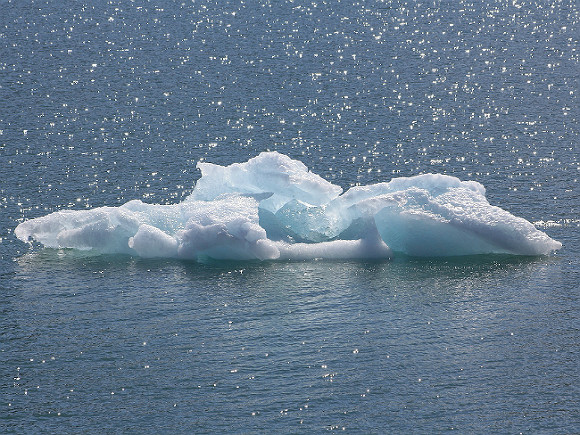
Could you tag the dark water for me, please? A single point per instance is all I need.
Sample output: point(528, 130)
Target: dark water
point(103, 102)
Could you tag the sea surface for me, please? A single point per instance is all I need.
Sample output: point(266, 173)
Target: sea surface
point(103, 102)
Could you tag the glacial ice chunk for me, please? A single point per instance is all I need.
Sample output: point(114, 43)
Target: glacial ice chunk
point(104, 229)
point(151, 242)
point(272, 173)
point(225, 229)
point(271, 207)
point(451, 222)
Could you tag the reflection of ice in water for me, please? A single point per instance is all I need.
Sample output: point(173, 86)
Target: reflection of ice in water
point(272, 207)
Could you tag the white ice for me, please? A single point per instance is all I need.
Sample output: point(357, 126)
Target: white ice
point(272, 207)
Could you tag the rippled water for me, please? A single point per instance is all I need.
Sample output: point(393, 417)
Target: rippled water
point(104, 102)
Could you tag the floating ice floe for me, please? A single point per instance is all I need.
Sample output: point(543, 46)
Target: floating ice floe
point(271, 207)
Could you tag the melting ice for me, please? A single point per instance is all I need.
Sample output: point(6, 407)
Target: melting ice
point(273, 207)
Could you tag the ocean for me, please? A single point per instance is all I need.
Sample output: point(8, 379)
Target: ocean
point(106, 102)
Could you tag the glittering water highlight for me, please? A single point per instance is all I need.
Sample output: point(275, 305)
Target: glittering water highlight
point(109, 105)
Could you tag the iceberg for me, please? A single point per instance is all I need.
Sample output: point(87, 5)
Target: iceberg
point(273, 208)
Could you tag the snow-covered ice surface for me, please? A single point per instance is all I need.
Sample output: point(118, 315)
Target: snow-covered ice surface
point(272, 207)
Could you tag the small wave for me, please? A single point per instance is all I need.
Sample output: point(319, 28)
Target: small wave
point(558, 223)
